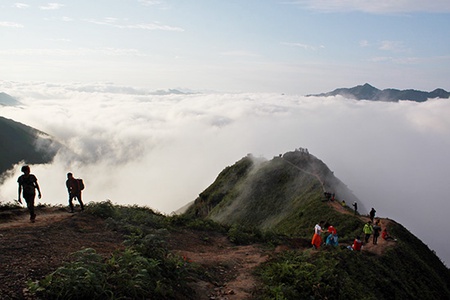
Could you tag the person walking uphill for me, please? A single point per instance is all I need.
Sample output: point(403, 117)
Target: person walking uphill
point(74, 189)
point(28, 186)
point(317, 239)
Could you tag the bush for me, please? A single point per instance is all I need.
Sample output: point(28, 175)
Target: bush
point(126, 275)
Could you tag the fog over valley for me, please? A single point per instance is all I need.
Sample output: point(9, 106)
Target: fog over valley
point(139, 146)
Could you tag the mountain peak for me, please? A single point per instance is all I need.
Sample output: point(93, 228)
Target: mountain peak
point(369, 92)
point(7, 100)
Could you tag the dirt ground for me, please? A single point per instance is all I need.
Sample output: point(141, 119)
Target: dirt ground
point(29, 251)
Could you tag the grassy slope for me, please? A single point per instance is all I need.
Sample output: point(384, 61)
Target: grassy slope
point(269, 195)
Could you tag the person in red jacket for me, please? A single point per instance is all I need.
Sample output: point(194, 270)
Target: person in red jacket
point(357, 244)
point(385, 236)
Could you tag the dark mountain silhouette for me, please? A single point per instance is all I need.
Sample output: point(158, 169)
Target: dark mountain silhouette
point(7, 100)
point(23, 143)
point(368, 92)
point(286, 195)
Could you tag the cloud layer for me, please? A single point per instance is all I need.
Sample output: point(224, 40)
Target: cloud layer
point(135, 146)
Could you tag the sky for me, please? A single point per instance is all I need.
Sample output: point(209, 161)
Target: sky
point(284, 46)
point(88, 73)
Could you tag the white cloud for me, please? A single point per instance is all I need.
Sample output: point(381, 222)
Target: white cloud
point(145, 26)
point(11, 25)
point(150, 2)
point(364, 43)
point(242, 53)
point(378, 7)
point(393, 46)
point(52, 6)
point(21, 5)
point(163, 150)
point(304, 46)
point(72, 52)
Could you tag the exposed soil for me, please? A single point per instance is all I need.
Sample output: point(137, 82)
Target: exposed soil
point(29, 251)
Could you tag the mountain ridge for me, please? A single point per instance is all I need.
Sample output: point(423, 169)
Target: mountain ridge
point(7, 100)
point(369, 92)
point(24, 143)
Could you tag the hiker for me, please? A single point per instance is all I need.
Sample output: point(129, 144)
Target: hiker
point(368, 230)
point(332, 238)
point(355, 205)
point(343, 203)
point(317, 239)
point(357, 244)
point(385, 236)
point(28, 184)
point(74, 189)
point(372, 214)
point(376, 232)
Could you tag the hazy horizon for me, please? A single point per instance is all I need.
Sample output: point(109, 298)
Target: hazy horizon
point(161, 151)
point(295, 46)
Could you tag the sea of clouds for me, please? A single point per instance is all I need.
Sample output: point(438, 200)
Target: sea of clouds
point(138, 146)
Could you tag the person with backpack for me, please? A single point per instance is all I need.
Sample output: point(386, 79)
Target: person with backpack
point(74, 187)
point(28, 186)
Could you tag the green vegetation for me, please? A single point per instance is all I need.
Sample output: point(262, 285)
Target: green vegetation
point(284, 197)
point(339, 273)
point(145, 269)
point(267, 202)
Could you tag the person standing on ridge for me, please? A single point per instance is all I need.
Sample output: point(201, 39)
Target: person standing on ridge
point(74, 189)
point(368, 230)
point(376, 232)
point(317, 239)
point(355, 205)
point(28, 185)
point(372, 214)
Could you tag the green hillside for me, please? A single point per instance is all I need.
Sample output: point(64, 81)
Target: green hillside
point(23, 143)
point(286, 196)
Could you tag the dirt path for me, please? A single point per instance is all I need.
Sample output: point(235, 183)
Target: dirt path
point(381, 245)
point(29, 251)
point(232, 265)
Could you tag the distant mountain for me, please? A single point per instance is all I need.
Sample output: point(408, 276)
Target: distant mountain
point(368, 92)
point(23, 143)
point(7, 100)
